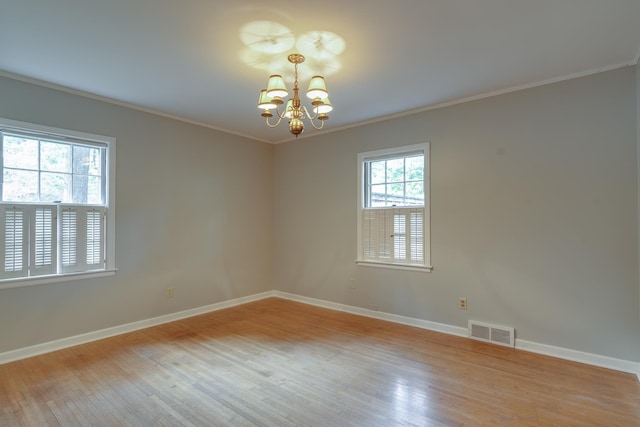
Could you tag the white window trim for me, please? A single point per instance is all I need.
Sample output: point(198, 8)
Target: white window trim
point(54, 278)
point(110, 235)
point(424, 147)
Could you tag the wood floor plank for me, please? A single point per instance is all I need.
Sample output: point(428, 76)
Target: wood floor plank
point(279, 363)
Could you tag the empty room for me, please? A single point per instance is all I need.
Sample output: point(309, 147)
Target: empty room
point(365, 213)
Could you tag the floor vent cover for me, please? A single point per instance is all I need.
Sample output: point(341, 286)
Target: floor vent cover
point(501, 335)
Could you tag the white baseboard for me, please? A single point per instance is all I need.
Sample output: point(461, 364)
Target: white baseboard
point(35, 350)
point(579, 356)
point(559, 352)
point(410, 321)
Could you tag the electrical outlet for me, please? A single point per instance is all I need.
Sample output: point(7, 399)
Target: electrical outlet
point(352, 283)
point(169, 292)
point(462, 304)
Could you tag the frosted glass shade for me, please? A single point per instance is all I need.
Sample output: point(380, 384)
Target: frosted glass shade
point(265, 102)
point(276, 86)
point(323, 108)
point(317, 88)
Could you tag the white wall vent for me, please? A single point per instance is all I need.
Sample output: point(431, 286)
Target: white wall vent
point(501, 335)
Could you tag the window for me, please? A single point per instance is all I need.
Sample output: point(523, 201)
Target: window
point(393, 208)
point(56, 202)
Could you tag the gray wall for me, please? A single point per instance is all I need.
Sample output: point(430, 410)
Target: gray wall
point(194, 212)
point(534, 215)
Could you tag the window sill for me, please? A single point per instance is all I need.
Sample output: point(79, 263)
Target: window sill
point(40, 280)
point(423, 269)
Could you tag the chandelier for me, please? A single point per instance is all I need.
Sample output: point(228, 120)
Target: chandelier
point(271, 98)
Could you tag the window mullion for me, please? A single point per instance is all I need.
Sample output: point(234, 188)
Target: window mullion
point(39, 168)
point(105, 176)
point(404, 180)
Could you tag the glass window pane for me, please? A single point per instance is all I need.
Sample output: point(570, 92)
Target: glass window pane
point(87, 189)
point(55, 187)
point(20, 186)
point(395, 194)
point(395, 170)
point(415, 168)
point(20, 153)
point(55, 157)
point(415, 193)
point(87, 160)
point(377, 196)
point(377, 172)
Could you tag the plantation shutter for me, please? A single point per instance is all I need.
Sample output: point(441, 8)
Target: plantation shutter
point(82, 239)
point(399, 236)
point(416, 244)
point(377, 229)
point(13, 241)
point(95, 239)
point(393, 235)
point(43, 247)
point(69, 240)
point(369, 234)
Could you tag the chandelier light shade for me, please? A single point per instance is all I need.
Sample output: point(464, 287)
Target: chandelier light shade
point(276, 87)
point(265, 101)
point(272, 97)
point(317, 88)
point(323, 108)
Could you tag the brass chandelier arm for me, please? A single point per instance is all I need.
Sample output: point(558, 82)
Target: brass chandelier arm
point(267, 114)
point(275, 124)
point(315, 117)
point(305, 114)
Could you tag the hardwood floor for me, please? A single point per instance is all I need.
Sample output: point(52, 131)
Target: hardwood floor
point(280, 363)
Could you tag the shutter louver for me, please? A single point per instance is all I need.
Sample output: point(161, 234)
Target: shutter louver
point(385, 235)
point(42, 238)
point(14, 243)
point(43, 241)
point(399, 237)
point(95, 238)
point(416, 225)
point(369, 229)
point(14, 238)
point(69, 239)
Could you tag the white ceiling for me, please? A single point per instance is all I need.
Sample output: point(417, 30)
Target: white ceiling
point(186, 59)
